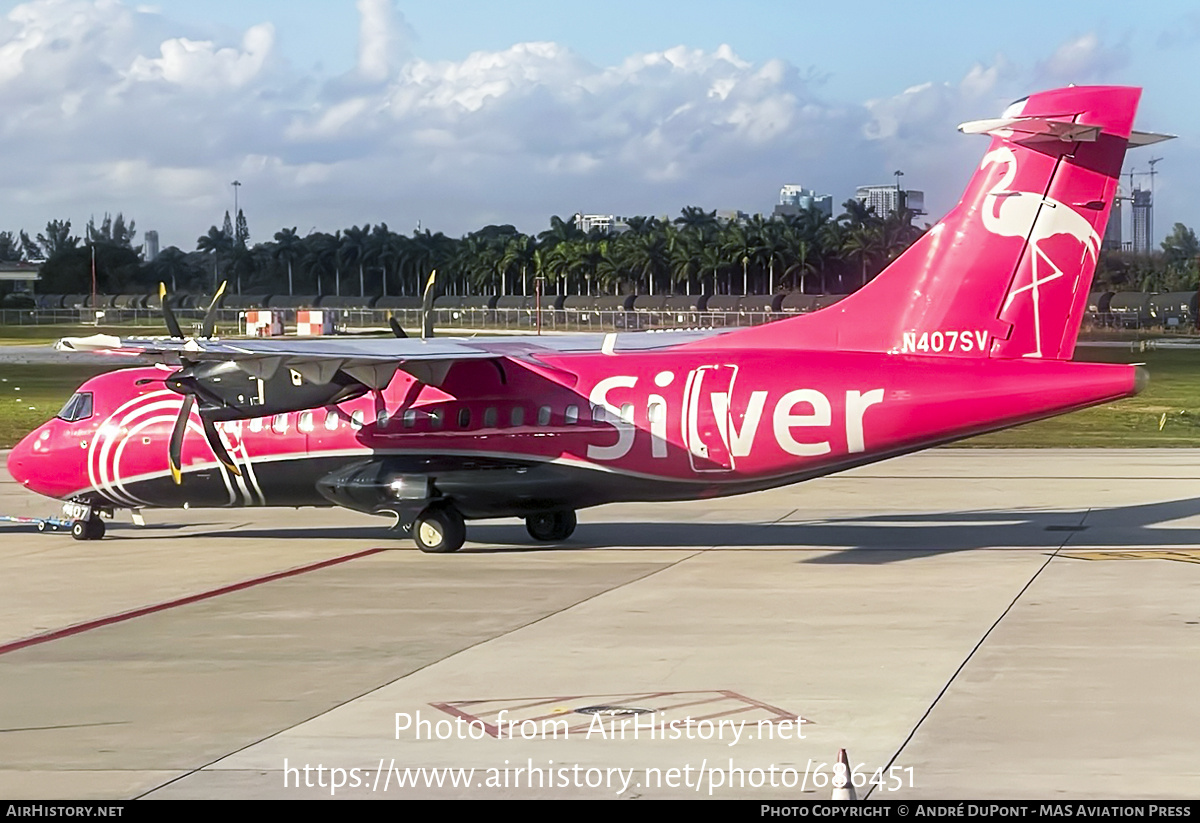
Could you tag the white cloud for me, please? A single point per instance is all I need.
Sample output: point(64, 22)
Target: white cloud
point(200, 64)
point(105, 109)
point(382, 40)
point(1082, 60)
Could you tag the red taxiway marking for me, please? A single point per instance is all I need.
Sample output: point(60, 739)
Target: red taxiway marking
point(79, 628)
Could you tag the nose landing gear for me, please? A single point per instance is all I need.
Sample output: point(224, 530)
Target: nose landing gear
point(90, 529)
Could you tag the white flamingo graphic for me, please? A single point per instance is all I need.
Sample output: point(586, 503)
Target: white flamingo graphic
point(1028, 214)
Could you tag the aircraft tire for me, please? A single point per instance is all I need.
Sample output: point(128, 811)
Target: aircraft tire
point(550, 527)
point(439, 530)
point(42, 525)
point(92, 529)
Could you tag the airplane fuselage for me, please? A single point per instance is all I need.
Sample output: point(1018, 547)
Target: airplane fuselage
point(502, 437)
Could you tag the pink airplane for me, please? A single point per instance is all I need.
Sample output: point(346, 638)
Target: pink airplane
point(970, 330)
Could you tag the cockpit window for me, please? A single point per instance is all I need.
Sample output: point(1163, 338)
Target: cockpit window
point(79, 407)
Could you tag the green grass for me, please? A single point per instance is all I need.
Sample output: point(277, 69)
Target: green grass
point(31, 394)
point(1174, 390)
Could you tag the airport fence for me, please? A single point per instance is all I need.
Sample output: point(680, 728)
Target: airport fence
point(460, 319)
point(229, 321)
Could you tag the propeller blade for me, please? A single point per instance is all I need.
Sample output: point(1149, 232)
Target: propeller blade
point(427, 306)
point(175, 450)
point(210, 317)
point(168, 315)
point(218, 445)
point(396, 330)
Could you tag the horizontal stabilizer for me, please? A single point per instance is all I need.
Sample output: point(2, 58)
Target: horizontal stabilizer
point(1062, 128)
point(1147, 138)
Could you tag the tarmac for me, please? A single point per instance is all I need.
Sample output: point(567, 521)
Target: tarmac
point(967, 624)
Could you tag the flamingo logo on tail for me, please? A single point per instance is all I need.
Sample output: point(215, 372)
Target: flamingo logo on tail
point(1031, 215)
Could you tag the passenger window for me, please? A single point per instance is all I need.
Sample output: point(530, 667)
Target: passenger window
point(518, 416)
point(489, 417)
point(306, 422)
point(464, 417)
point(599, 414)
point(656, 412)
point(279, 424)
point(436, 417)
point(331, 420)
point(627, 413)
point(256, 424)
point(571, 415)
point(543, 418)
point(410, 418)
point(357, 419)
point(381, 419)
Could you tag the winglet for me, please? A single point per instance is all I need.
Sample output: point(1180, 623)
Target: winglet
point(95, 342)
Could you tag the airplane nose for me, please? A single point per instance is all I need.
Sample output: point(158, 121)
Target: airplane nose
point(20, 459)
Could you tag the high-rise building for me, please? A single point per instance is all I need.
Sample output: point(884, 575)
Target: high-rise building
point(1142, 222)
point(794, 199)
point(886, 200)
point(151, 251)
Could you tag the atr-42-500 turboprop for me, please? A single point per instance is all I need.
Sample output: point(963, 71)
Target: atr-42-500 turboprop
point(972, 329)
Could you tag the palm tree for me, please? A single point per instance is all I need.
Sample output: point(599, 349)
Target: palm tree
point(219, 245)
point(320, 256)
point(288, 248)
point(172, 266)
point(352, 251)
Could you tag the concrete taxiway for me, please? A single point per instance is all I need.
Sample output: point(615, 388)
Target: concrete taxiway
point(975, 624)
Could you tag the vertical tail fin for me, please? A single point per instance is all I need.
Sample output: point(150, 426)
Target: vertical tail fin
point(1006, 273)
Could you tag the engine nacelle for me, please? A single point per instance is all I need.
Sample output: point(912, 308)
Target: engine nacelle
point(377, 487)
point(227, 392)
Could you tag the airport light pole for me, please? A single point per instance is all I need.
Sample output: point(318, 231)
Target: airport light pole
point(237, 184)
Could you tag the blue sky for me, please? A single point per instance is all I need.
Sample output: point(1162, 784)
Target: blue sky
point(457, 114)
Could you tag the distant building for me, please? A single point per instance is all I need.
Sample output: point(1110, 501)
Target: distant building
point(727, 216)
point(1142, 222)
point(886, 200)
point(22, 276)
point(607, 223)
point(794, 199)
point(151, 246)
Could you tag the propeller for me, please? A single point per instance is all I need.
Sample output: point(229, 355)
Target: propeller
point(396, 330)
point(427, 306)
point(184, 382)
point(168, 315)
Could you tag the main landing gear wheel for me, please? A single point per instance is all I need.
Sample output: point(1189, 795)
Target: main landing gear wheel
point(439, 529)
point(551, 526)
point(90, 529)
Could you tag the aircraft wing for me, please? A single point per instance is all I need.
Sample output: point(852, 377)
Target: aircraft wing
point(373, 361)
